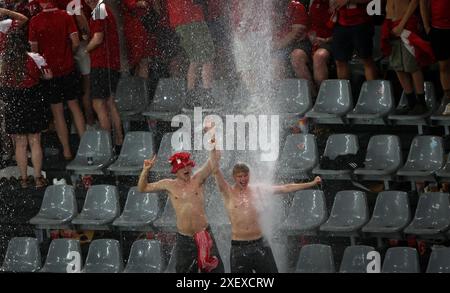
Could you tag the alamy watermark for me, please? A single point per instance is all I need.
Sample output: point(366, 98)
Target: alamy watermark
point(263, 133)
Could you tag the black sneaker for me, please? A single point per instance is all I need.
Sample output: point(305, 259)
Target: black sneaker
point(402, 110)
point(419, 109)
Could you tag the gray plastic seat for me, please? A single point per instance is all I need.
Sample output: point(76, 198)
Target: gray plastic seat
point(316, 258)
point(141, 209)
point(439, 261)
point(167, 222)
point(348, 215)
point(438, 117)
point(383, 158)
point(432, 216)
point(58, 208)
point(333, 102)
point(22, 255)
point(145, 257)
point(401, 260)
point(131, 95)
point(59, 257)
point(137, 147)
point(444, 172)
point(375, 103)
point(426, 156)
point(355, 259)
point(298, 157)
point(100, 208)
point(307, 213)
point(338, 145)
point(390, 215)
point(430, 99)
point(96, 145)
point(168, 100)
point(104, 256)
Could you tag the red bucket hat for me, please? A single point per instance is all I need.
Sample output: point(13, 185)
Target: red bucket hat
point(180, 160)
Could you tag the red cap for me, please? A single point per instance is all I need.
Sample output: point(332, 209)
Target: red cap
point(180, 161)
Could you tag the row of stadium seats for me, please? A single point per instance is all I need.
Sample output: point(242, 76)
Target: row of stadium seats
point(307, 215)
point(105, 256)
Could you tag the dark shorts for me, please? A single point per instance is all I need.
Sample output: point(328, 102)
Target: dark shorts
point(440, 42)
point(285, 53)
point(197, 42)
point(252, 256)
point(352, 39)
point(103, 82)
point(62, 88)
point(186, 254)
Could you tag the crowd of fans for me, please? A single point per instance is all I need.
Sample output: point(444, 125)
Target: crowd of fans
point(55, 53)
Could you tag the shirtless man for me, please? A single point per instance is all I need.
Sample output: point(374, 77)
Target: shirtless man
point(250, 252)
point(194, 239)
point(400, 14)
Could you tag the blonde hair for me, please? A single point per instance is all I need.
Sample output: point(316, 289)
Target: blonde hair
point(240, 168)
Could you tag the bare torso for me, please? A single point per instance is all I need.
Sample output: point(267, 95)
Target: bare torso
point(188, 202)
point(244, 217)
point(395, 9)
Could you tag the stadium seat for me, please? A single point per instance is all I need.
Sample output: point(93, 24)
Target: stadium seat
point(169, 98)
point(131, 95)
point(137, 147)
point(307, 212)
point(426, 156)
point(432, 217)
point(95, 145)
point(141, 209)
point(355, 259)
point(59, 256)
point(401, 260)
point(58, 208)
point(333, 102)
point(23, 255)
point(375, 103)
point(439, 261)
point(338, 145)
point(298, 157)
point(145, 257)
point(167, 222)
point(383, 159)
point(104, 256)
point(100, 208)
point(316, 258)
point(390, 215)
point(348, 215)
point(444, 172)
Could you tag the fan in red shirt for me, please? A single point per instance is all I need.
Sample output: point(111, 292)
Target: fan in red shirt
point(140, 45)
point(25, 107)
point(353, 32)
point(54, 35)
point(105, 67)
point(188, 20)
point(436, 20)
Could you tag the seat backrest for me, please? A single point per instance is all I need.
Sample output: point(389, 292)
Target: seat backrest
point(335, 96)
point(95, 143)
point(308, 207)
point(384, 152)
point(439, 261)
point(60, 255)
point(169, 95)
point(23, 255)
point(300, 151)
point(104, 256)
point(292, 96)
point(426, 153)
point(350, 208)
point(59, 202)
point(143, 204)
point(355, 259)
point(145, 257)
point(316, 258)
point(392, 209)
point(168, 217)
point(376, 96)
point(401, 260)
point(137, 147)
point(341, 144)
point(102, 202)
point(433, 209)
point(167, 148)
point(131, 93)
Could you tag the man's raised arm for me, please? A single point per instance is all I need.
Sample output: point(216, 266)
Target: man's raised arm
point(143, 184)
point(218, 175)
point(288, 188)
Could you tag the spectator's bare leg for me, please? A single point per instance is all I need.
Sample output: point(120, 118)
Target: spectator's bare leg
point(102, 114)
point(419, 81)
point(405, 81)
point(61, 128)
point(116, 121)
point(142, 68)
point(370, 70)
point(192, 75)
point(78, 117)
point(279, 69)
point(343, 70)
point(36, 153)
point(299, 61)
point(21, 154)
point(320, 61)
point(87, 103)
point(207, 75)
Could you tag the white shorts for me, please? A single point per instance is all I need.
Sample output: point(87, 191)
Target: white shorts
point(82, 59)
